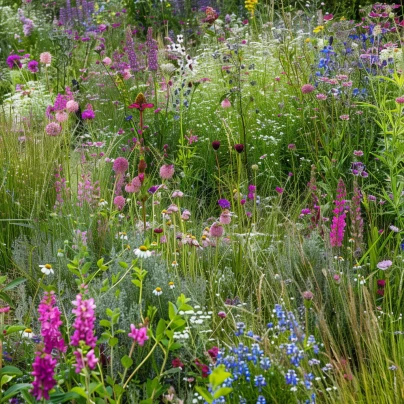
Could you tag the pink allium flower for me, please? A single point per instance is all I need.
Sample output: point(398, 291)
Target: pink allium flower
point(216, 230)
point(43, 372)
point(72, 106)
point(344, 117)
point(307, 88)
point(279, 190)
point(308, 295)
point(84, 323)
point(383, 265)
point(222, 314)
point(49, 317)
point(119, 202)
point(107, 61)
point(167, 171)
point(53, 129)
point(226, 103)
point(138, 335)
point(400, 100)
point(225, 217)
point(321, 97)
point(120, 165)
point(61, 116)
point(45, 58)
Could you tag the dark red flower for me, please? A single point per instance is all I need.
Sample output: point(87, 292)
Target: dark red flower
point(140, 103)
point(380, 292)
point(176, 363)
point(381, 283)
point(239, 147)
point(213, 352)
point(216, 144)
point(204, 368)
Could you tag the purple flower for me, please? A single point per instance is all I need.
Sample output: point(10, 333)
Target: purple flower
point(338, 223)
point(153, 189)
point(152, 50)
point(224, 203)
point(49, 317)
point(88, 114)
point(43, 372)
point(33, 66)
point(383, 265)
point(14, 61)
point(84, 322)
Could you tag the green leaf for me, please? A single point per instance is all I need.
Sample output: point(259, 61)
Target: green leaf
point(175, 346)
point(222, 392)
point(10, 370)
point(161, 326)
point(13, 390)
point(204, 393)
point(85, 268)
point(80, 391)
point(3, 279)
point(13, 284)
point(172, 311)
point(6, 298)
point(105, 323)
point(123, 264)
point(118, 390)
point(5, 379)
point(100, 262)
point(137, 283)
point(112, 342)
point(218, 376)
point(57, 398)
point(126, 362)
point(15, 328)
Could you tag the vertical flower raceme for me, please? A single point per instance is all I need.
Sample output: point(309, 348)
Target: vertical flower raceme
point(152, 49)
point(338, 223)
point(130, 50)
point(43, 372)
point(315, 203)
point(49, 317)
point(83, 335)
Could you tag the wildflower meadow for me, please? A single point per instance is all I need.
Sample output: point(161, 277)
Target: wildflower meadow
point(201, 202)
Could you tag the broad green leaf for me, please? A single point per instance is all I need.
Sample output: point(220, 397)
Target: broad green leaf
point(57, 398)
point(218, 376)
point(126, 362)
point(204, 393)
point(10, 370)
point(172, 310)
point(15, 389)
point(13, 284)
point(105, 323)
point(222, 392)
point(112, 342)
point(80, 391)
point(15, 328)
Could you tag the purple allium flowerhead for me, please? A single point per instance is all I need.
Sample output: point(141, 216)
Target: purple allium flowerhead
point(88, 113)
point(307, 88)
point(216, 144)
point(53, 129)
point(400, 100)
point(119, 202)
point(120, 165)
point(224, 203)
point(84, 322)
point(308, 295)
point(13, 61)
point(43, 372)
point(167, 171)
point(33, 66)
point(216, 230)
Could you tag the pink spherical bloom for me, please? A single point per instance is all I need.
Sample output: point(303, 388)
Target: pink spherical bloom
point(308, 295)
point(226, 103)
point(107, 61)
point(53, 129)
point(167, 171)
point(186, 214)
point(225, 217)
point(279, 190)
point(126, 74)
point(72, 106)
point(307, 88)
point(138, 335)
point(337, 279)
point(61, 116)
point(119, 202)
point(120, 165)
point(344, 117)
point(216, 230)
point(321, 97)
point(222, 314)
point(45, 58)
point(400, 100)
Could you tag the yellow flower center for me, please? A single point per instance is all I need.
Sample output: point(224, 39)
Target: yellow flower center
point(143, 248)
point(48, 266)
point(158, 289)
point(170, 283)
point(28, 330)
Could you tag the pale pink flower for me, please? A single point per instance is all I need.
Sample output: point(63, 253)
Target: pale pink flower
point(307, 88)
point(216, 230)
point(53, 129)
point(167, 171)
point(107, 61)
point(61, 116)
point(119, 202)
point(72, 106)
point(45, 58)
point(226, 103)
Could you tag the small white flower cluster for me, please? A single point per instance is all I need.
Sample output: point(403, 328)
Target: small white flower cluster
point(186, 60)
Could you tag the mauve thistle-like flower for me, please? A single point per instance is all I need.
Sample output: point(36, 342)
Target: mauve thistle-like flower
point(32, 66)
point(43, 371)
point(120, 165)
point(14, 61)
point(216, 144)
point(216, 230)
point(53, 129)
point(167, 171)
point(225, 217)
point(49, 317)
point(239, 147)
point(224, 203)
point(338, 223)
point(119, 202)
point(88, 113)
point(84, 323)
point(307, 88)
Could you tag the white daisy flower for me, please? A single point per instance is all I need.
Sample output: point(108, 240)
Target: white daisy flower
point(142, 252)
point(171, 285)
point(27, 333)
point(46, 269)
point(157, 291)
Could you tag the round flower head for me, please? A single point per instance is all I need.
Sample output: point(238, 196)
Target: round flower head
point(45, 58)
point(167, 171)
point(226, 103)
point(307, 88)
point(216, 230)
point(46, 269)
point(224, 203)
point(53, 129)
point(225, 217)
point(120, 165)
point(61, 116)
point(157, 291)
point(308, 295)
point(72, 106)
point(216, 144)
point(383, 265)
point(14, 61)
point(33, 66)
point(239, 148)
point(107, 61)
point(119, 202)
point(400, 100)
point(142, 252)
point(88, 114)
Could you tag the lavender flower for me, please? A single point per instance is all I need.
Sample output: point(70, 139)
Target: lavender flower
point(224, 203)
point(152, 48)
point(338, 222)
point(130, 50)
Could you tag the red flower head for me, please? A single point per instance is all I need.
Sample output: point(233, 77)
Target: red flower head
point(140, 103)
point(211, 15)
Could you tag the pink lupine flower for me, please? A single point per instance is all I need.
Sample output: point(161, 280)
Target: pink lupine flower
point(84, 323)
point(43, 372)
point(338, 223)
